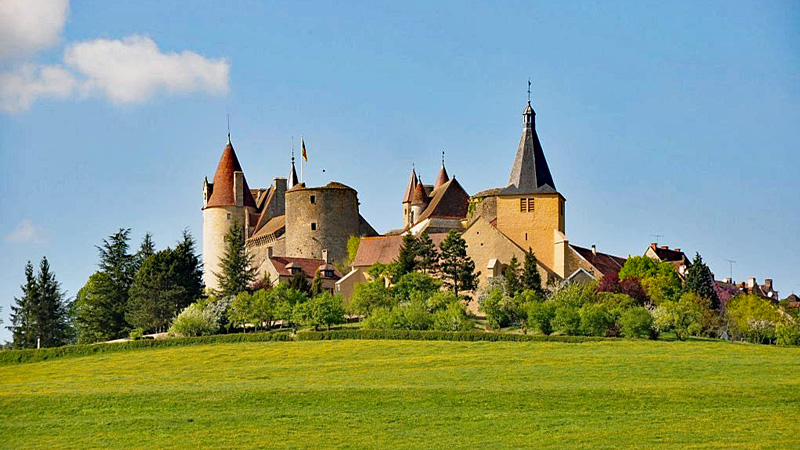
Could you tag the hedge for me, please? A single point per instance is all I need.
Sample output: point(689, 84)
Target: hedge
point(34, 355)
point(416, 335)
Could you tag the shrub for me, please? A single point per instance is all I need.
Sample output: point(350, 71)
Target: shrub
point(541, 315)
point(567, 320)
point(596, 319)
point(574, 295)
point(415, 281)
point(637, 323)
point(753, 318)
point(195, 320)
point(787, 333)
point(369, 296)
point(136, 333)
point(683, 317)
point(452, 318)
point(493, 305)
point(385, 318)
point(417, 315)
point(440, 300)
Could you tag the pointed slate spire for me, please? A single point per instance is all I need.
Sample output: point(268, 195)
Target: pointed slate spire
point(412, 184)
point(530, 173)
point(292, 181)
point(443, 177)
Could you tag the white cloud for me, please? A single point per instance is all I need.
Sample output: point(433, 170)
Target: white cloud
point(27, 26)
point(28, 233)
point(20, 87)
point(133, 70)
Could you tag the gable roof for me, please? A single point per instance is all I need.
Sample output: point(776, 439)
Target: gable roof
point(308, 266)
point(270, 227)
point(384, 249)
point(667, 254)
point(222, 188)
point(450, 200)
point(530, 173)
point(604, 263)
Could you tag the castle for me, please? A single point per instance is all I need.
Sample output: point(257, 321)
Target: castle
point(292, 228)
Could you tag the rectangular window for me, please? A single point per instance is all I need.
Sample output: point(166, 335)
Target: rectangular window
point(313, 226)
point(523, 205)
point(530, 205)
point(313, 199)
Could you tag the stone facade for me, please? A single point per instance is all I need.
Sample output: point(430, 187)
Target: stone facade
point(217, 220)
point(532, 225)
point(321, 218)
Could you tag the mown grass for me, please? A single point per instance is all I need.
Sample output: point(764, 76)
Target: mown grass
point(408, 394)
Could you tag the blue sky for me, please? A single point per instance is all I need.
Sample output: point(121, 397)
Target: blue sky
point(676, 118)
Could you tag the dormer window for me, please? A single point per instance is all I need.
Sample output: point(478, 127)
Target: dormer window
point(295, 270)
point(327, 273)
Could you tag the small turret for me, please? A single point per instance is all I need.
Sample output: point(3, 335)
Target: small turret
point(443, 177)
point(409, 196)
point(419, 202)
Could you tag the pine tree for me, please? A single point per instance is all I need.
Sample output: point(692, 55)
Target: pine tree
point(147, 248)
point(316, 285)
point(189, 271)
point(511, 274)
point(22, 312)
point(299, 283)
point(51, 311)
point(155, 296)
point(700, 281)
point(235, 268)
point(531, 280)
point(407, 258)
point(458, 269)
point(427, 253)
point(120, 268)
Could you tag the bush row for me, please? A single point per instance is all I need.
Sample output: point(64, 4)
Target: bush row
point(34, 355)
point(430, 335)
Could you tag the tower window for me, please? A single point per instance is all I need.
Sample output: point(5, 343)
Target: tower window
point(526, 205)
point(530, 205)
point(229, 216)
point(313, 226)
point(313, 199)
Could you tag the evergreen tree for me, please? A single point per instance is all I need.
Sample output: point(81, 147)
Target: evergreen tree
point(189, 270)
point(155, 296)
point(407, 259)
point(458, 269)
point(316, 285)
point(148, 248)
point(427, 253)
point(235, 268)
point(511, 274)
point(531, 280)
point(51, 313)
point(22, 312)
point(300, 284)
point(93, 312)
point(700, 281)
point(120, 266)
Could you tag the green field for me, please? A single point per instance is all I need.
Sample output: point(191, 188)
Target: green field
point(408, 394)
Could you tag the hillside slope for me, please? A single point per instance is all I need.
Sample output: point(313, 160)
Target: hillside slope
point(408, 394)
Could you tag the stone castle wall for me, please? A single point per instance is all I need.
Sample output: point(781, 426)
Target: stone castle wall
point(217, 220)
point(532, 229)
point(322, 224)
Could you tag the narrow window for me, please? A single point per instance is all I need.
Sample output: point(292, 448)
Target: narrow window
point(229, 216)
point(526, 236)
point(530, 205)
point(523, 205)
point(313, 226)
point(313, 199)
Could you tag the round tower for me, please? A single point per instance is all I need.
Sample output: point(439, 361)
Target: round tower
point(321, 218)
point(226, 202)
point(418, 203)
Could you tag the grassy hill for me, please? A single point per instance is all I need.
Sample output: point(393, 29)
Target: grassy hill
point(408, 394)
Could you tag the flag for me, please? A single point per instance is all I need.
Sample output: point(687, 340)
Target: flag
point(303, 146)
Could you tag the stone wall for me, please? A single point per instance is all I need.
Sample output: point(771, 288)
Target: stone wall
point(217, 220)
point(532, 229)
point(325, 223)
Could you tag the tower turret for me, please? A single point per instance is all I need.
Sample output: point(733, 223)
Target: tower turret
point(419, 202)
point(442, 178)
point(408, 197)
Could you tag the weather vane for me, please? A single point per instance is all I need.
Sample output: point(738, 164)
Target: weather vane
point(529, 90)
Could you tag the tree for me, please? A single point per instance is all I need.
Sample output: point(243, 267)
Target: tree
point(511, 274)
point(325, 309)
point(415, 282)
point(637, 322)
point(156, 295)
point(531, 280)
point(700, 281)
point(353, 243)
point(235, 268)
point(23, 318)
point(458, 269)
point(407, 258)
point(683, 317)
point(195, 320)
point(428, 256)
point(316, 285)
point(541, 315)
point(147, 248)
point(94, 312)
point(659, 279)
point(51, 311)
point(188, 269)
point(120, 268)
point(264, 283)
point(369, 296)
point(299, 283)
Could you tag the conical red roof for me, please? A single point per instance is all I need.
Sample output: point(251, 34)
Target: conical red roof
point(412, 184)
point(442, 178)
point(222, 191)
point(420, 196)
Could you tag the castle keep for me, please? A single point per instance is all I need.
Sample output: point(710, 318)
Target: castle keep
point(292, 228)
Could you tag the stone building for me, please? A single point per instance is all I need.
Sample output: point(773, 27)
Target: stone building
point(497, 224)
point(284, 223)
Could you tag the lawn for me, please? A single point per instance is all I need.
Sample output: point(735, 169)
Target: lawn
point(408, 394)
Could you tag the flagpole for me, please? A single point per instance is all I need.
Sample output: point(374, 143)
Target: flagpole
point(302, 178)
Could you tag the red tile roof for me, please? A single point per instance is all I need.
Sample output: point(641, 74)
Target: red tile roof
point(448, 201)
point(603, 262)
point(308, 266)
point(412, 184)
point(442, 178)
point(384, 249)
point(667, 254)
point(420, 197)
point(222, 190)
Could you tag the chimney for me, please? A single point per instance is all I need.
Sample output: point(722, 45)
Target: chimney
point(768, 283)
point(677, 249)
point(325, 255)
point(728, 280)
point(594, 249)
point(206, 191)
point(238, 188)
point(751, 282)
